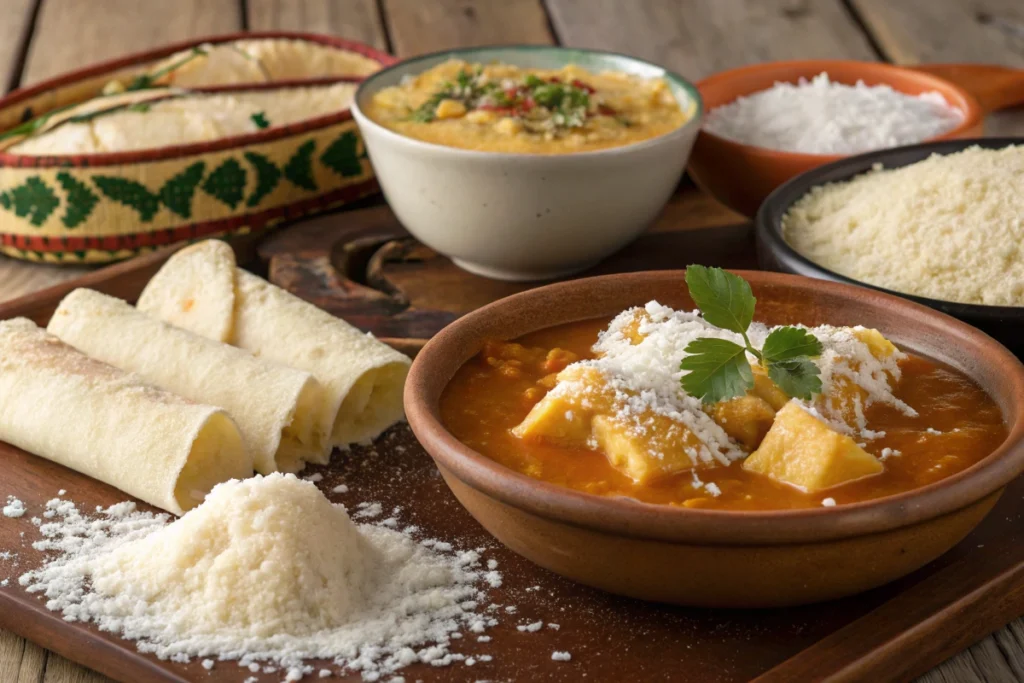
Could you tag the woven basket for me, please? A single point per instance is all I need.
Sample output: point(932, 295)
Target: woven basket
point(104, 207)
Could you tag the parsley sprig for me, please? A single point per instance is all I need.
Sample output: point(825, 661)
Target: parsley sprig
point(718, 369)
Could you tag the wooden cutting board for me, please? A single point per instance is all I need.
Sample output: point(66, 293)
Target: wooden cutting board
point(363, 266)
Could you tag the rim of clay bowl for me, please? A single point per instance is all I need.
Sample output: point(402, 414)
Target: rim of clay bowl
point(768, 221)
point(458, 342)
point(969, 104)
point(696, 115)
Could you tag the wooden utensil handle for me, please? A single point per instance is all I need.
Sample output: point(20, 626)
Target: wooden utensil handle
point(995, 87)
point(922, 626)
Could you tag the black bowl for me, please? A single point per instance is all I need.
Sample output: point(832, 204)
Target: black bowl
point(1005, 323)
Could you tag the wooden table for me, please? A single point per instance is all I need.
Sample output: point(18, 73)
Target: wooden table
point(41, 38)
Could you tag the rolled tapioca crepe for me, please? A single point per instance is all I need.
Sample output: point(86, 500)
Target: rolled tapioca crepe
point(362, 377)
point(277, 408)
point(59, 404)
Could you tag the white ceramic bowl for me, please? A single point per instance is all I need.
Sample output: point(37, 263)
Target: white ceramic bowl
point(527, 216)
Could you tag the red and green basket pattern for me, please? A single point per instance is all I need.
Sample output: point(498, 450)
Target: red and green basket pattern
point(104, 207)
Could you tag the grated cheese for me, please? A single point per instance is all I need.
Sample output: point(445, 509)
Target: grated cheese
point(821, 116)
point(889, 453)
point(948, 227)
point(845, 357)
point(645, 376)
point(266, 571)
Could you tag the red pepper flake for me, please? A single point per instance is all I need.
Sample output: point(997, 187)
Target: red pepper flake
point(605, 110)
point(577, 83)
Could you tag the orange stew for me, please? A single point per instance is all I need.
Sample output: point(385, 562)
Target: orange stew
point(957, 425)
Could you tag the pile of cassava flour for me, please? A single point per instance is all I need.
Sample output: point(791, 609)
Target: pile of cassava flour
point(823, 117)
point(266, 572)
point(948, 227)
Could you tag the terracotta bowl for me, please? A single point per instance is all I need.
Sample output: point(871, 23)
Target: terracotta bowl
point(741, 176)
point(717, 558)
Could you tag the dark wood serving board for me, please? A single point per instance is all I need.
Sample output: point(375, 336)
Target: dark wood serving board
point(362, 265)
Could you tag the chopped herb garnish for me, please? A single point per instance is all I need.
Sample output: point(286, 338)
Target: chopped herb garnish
point(544, 106)
point(141, 107)
point(260, 119)
point(718, 369)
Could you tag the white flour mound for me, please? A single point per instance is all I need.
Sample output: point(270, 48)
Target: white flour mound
point(822, 116)
point(266, 570)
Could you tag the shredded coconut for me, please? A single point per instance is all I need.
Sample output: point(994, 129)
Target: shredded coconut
point(14, 508)
point(821, 116)
point(340, 488)
point(266, 571)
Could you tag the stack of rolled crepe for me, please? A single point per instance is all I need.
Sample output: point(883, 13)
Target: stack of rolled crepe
point(277, 409)
point(200, 289)
point(216, 373)
point(155, 445)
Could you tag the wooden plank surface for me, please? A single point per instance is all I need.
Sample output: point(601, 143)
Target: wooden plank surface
point(417, 27)
point(354, 19)
point(73, 33)
point(720, 35)
point(15, 32)
point(723, 34)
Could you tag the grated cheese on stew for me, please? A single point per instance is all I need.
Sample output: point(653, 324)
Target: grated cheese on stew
point(645, 378)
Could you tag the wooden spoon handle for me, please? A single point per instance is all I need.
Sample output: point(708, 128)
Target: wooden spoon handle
point(995, 87)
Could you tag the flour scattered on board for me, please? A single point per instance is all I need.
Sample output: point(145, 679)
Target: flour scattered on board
point(267, 572)
point(14, 508)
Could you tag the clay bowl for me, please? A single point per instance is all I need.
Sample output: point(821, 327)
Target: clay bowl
point(741, 176)
point(773, 253)
point(717, 558)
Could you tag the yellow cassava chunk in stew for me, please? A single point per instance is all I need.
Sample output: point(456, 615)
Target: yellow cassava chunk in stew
point(516, 403)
